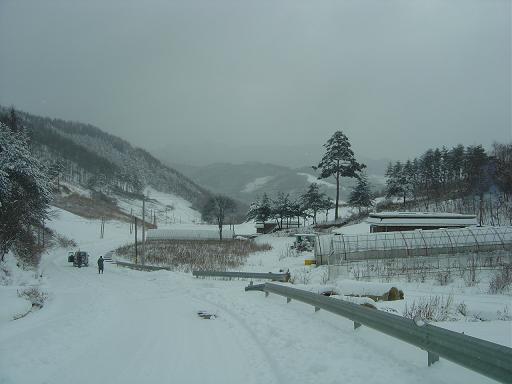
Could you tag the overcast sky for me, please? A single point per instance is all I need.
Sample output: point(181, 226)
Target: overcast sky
point(245, 80)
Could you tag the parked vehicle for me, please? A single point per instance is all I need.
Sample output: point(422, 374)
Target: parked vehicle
point(80, 258)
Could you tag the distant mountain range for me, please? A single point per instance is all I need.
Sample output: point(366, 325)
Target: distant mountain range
point(86, 155)
point(249, 180)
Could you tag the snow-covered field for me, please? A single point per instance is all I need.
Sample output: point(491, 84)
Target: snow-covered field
point(142, 327)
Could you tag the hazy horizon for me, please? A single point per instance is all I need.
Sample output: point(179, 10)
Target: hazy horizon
point(199, 82)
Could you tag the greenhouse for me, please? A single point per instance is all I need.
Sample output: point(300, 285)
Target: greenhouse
point(339, 249)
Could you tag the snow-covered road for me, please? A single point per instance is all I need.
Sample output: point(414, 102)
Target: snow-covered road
point(127, 327)
point(137, 327)
point(142, 327)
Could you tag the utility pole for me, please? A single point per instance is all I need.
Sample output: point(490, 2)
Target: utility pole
point(102, 231)
point(142, 256)
point(131, 223)
point(136, 255)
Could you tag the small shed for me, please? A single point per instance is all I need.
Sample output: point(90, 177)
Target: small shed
point(409, 221)
point(272, 226)
point(266, 227)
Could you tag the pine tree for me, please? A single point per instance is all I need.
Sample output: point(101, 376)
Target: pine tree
point(338, 161)
point(411, 178)
point(260, 210)
point(282, 208)
point(361, 196)
point(503, 157)
point(314, 200)
point(297, 209)
point(396, 183)
point(25, 192)
point(327, 205)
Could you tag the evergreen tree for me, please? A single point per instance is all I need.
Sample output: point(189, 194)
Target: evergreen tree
point(477, 174)
point(338, 161)
point(361, 196)
point(502, 154)
point(24, 191)
point(314, 200)
point(414, 179)
point(298, 209)
point(396, 181)
point(409, 177)
point(260, 210)
point(474, 169)
point(427, 175)
point(282, 208)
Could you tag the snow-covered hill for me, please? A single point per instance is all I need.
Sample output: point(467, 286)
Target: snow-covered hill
point(82, 154)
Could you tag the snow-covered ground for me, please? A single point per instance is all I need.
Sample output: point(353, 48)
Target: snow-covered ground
point(256, 184)
point(168, 208)
point(313, 179)
point(142, 327)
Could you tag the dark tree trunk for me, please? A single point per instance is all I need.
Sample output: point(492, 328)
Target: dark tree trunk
point(337, 195)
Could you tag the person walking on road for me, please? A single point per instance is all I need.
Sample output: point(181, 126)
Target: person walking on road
point(100, 264)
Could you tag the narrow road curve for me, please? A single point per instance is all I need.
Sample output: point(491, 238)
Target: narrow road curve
point(126, 327)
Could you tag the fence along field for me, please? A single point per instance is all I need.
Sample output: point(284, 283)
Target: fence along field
point(188, 255)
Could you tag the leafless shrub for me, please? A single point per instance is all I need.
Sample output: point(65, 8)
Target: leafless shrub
point(301, 276)
point(187, 255)
point(64, 242)
point(462, 308)
point(501, 281)
point(470, 275)
point(287, 252)
point(357, 274)
point(324, 277)
point(34, 295)
point(504, 315)
point(443, 277)
point(434, 308)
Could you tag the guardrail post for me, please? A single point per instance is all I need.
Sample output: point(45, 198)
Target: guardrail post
point(288, 300)
point(487, 358)
point(432, 358)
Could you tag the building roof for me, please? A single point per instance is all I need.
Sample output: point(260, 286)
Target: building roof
point(187, 234)
point(420, 219)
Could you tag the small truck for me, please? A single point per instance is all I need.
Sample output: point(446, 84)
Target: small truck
point(79, 259)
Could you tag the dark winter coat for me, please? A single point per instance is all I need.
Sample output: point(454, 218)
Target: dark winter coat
point(100, 262)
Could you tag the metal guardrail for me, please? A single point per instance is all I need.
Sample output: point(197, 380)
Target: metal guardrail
point(141, 267)
point(255, 287)
point(489, 359)
point(244, 275)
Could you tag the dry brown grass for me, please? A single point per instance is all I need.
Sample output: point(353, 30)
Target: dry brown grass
point(187, 255)
point(93, 208)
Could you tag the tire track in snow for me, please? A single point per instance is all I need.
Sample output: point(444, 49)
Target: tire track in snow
point(239, 321)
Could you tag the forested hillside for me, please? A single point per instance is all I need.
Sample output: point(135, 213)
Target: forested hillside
point(84, 154)
point(461, 179)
